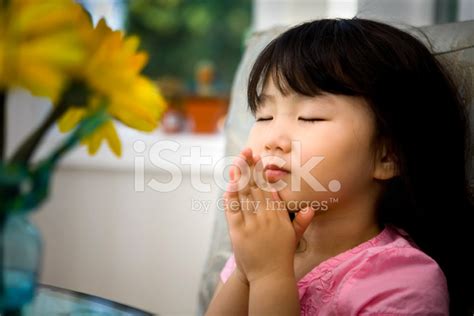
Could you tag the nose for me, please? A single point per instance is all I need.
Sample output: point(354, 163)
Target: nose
point(277, 140)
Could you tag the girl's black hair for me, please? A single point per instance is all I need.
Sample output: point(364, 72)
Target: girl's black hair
point(419, 114)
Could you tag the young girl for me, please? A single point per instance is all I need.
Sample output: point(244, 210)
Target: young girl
point(361, 132)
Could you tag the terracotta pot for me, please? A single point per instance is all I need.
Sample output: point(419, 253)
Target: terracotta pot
point(205, 112)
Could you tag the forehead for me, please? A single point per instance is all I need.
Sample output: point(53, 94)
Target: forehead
point(274, 94)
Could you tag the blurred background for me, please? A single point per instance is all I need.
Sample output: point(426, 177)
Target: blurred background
point(107, 230)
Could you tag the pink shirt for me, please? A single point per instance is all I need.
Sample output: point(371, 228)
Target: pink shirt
point(386, 275)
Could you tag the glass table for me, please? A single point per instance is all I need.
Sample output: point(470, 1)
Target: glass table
point(52, 301)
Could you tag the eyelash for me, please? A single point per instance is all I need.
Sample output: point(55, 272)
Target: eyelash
point(312, 120)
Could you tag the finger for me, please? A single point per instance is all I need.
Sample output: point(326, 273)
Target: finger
point(232, 206)
point(278, 205)
point(240, 171)
point(248, 211)
point(242, 174)
point(247, 153)
point(249, 159)
point(243, 169)
point(258, 176)
point(258, 197)
point(270, 203)
point(246, 203)
point(232, 173)
point(301, 222)
point(235, 171)
point(253, 161)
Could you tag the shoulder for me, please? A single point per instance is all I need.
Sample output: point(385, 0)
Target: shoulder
point(400, 279)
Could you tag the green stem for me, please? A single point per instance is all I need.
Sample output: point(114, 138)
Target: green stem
point(26, 150)
point(3, 123)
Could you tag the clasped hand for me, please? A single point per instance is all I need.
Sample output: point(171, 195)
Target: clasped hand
point(264, 239)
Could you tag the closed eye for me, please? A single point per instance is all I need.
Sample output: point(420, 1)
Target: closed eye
point(261, 119)
point(311, 120)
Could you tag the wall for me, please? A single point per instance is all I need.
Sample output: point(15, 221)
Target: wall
point(413, 12)
point(145, 249)
point(269, 13)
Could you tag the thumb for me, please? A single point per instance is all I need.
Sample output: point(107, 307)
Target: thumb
point(301, 222)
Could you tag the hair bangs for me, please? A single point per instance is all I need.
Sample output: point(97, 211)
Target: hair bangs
point(310, 62)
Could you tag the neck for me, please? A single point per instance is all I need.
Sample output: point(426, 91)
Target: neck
point(339, 229)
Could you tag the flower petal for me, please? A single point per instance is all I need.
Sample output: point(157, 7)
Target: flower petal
point(112, 138)
point(71, 118)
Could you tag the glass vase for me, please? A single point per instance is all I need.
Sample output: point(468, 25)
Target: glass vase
point(20, 257)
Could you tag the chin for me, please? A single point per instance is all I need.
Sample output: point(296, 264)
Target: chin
point(296, 201)
point(293, 202)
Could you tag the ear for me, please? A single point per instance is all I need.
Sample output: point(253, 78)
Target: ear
point(385, 163)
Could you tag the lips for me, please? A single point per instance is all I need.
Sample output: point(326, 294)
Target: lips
point(275, 173)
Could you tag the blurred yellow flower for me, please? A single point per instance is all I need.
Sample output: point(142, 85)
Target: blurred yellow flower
point(106, 132)
point(51, 48)
point(40, 42)
point(112, 71)
point(92, 75)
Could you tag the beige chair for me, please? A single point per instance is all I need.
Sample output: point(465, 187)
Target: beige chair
point(453, 43)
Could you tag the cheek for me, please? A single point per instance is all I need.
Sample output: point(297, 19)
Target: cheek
point(344, 159)
point(254, 139)
point(311, 181)
point(345, 170)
